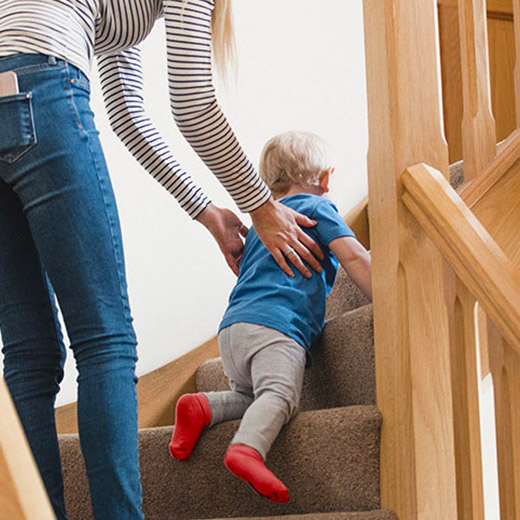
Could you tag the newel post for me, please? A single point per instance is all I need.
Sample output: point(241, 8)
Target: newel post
point(412, 336)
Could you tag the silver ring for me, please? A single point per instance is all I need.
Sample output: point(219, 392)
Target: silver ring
point(289, 251)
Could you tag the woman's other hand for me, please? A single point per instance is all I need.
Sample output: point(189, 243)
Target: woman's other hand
point(279, 230)
point(227, 229)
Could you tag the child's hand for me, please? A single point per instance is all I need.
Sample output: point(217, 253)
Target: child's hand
point(278, 227)
point(227, 229)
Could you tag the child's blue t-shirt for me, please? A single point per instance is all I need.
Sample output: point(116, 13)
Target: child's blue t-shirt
point(265, 295)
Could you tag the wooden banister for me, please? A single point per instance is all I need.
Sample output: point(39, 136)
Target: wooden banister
point(357, 220)
point(488, 276)
point(516, 19)
point(483, 194)
point(414, 387)
point(478, 124)
point(22, 495)
point(502, 7)
point(461, 305)
point(466, 420)
point(505, 367)
point(427, 310)
point(508, 155)
point(467, 246)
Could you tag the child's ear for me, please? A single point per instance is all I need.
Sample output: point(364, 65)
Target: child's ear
point(324, 181)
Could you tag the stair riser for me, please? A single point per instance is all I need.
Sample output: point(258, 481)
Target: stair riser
point(344, 297)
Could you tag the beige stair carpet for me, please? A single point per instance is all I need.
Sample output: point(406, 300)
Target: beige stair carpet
point(329, 460)
point(369, 515)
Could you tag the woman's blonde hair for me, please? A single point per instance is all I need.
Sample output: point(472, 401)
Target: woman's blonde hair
point(294, 158)
point(222, 36)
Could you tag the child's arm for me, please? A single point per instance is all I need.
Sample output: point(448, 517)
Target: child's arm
point(355, 259)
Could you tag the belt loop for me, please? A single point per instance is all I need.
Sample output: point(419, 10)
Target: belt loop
point(52, 60)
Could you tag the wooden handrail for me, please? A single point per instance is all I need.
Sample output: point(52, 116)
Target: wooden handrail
point(508, 153)
point(502, 7)
point(516, 21)
point(468, 247)
point(357, 220)
point(22, 495)
point(482, 193)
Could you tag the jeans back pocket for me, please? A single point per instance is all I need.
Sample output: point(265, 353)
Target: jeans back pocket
point(17, 133)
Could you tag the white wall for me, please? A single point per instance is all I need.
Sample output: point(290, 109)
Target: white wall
point(299, 68)
point(489, 449)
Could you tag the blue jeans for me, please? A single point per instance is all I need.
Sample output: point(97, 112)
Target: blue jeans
point(60, 235)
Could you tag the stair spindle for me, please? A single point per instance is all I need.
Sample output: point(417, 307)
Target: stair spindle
point(466, 419)
point(478, 123)
point(505, 368)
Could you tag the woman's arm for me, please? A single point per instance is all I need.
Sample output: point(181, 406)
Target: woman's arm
point(195, 107)
point(122, 86)
point(201, 121)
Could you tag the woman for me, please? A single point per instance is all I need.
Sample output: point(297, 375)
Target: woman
point(59, 229)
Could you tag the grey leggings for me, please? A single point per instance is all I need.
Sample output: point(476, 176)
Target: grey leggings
point(265, 370)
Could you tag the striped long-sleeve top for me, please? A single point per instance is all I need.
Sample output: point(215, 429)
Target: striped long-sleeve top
point(78, 30)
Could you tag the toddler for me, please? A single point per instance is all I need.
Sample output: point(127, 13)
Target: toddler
point(273, 319)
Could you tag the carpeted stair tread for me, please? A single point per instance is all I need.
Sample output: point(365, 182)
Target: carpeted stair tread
point(342, 373)
point(329, 460)
point(456, 174)
point(367, 515)
point(343, 370)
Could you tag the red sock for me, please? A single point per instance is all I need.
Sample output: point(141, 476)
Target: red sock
point(246, 463)
point(192, 415)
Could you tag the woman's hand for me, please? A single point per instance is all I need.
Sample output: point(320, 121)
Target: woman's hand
point(279, 229)
point(228, 230)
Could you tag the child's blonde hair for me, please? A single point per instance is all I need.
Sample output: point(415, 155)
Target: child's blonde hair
point(294, 158)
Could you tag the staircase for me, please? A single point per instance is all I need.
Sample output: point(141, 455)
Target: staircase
point(440, 261)
point(328, 456)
